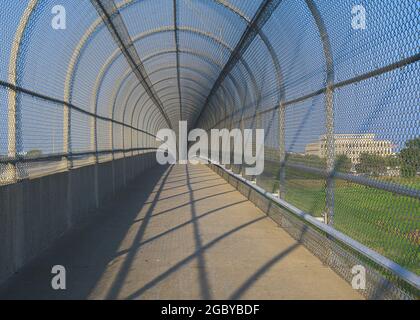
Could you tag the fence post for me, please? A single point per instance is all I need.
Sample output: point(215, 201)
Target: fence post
point(282, 149)
point(329, 214)
point(258, 125)
point(13, 109)
point(329, 110)
point(242, 126)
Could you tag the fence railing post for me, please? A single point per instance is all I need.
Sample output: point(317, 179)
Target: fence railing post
point(258, 125)
point(330, 156)
point(329, 111)
point(14, 131)
point(282, 150)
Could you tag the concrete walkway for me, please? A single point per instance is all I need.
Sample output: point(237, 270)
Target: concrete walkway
point(180, 232)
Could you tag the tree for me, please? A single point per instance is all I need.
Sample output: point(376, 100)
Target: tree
point(343, 163)
point(410, 158)
point(371, 164)
point(392, 161)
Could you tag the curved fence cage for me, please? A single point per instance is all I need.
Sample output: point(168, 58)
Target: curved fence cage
point(335, 85)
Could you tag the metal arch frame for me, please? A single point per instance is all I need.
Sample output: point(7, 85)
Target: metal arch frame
point(116, 92)
point(99, 22)
point(185, 78)
point(176, 35)
point(235, 84)
point(331, 102)
point(329, 96)
point(124, 78)
point(185, 99)
point(141, 96)
point(242, 98)
point(236, 11)
point(69, 82)
point(173, 105)
point(109, 12)
point(169, 96)
point(135, 108)
point(148, 120)
point(202, 56)
point(329, 109)
point(140, 112)
point(117, 53)
point(266, 42)
point(93, 28)
point(128, 97)
point(191, 89)
point(72, 64)
point(257, 92)
point(159, 90)
point(231, 97)
point(241, 109)
point(95, 98)
point(234, 111)
point(74, 61)
point(100, 80)
point(146, 109)
point(263, 13)
point(189, 68)
point(13, 111)
point(113, 100)
point(212, 61)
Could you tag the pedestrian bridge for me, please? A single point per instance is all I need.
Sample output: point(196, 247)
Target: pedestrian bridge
point(86, 88)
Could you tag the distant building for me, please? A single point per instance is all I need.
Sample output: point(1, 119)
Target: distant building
point(352, 145)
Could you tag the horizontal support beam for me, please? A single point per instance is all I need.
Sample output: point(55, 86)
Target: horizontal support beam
point(60, 156)
point(110, 14)
point(362, 180)
point(69, 105)
point(377, 72)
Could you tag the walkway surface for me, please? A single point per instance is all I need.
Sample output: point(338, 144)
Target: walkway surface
point(180, 232)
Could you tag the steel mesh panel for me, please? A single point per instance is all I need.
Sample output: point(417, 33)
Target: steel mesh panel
point(155, 15)
point(269, 178)
point(339, 106)
point(262, 67)
point(8, 21)
point(104, 136)
point(298, 48)
point(94, 55)
point(81, 132)
point(41, 126)
point(210, 17)
point(5, 169)
point(385, 221)
point(153, 43)
point(123, 93)
point(45, 53)
point(371, 203)
point(190, 60)
point(248, 8)
point(117, 136)
point(391, 35)
point(130, 102)
point(108, 83)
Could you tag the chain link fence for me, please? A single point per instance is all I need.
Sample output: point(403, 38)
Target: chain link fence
point(335, 85)
point(341, 119)
point(63, 91)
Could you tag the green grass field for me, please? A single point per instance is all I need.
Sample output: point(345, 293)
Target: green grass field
point(381, 220)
